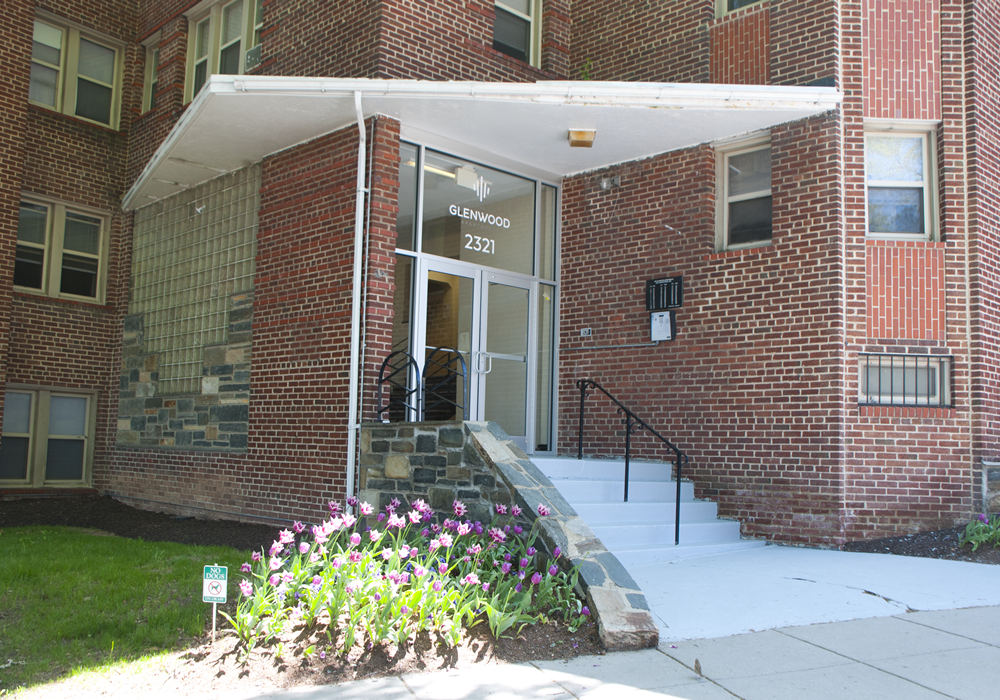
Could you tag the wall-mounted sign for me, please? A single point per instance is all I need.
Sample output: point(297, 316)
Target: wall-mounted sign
point(662, 325)
point(665, 293)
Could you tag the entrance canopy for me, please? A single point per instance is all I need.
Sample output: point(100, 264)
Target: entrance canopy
point(237, 120)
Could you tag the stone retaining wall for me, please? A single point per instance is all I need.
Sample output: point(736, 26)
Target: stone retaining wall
point(479, 464)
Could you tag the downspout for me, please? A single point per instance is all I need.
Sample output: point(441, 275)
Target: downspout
point(353, 393)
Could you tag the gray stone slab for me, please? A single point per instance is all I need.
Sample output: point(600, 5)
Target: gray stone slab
point(757, 654)
point(627, 670)
point(493, 681)
point(963, 673)
point(616, 571)
point(387, 688)
point(856, 681)
point(980, 624)
point(879, 638)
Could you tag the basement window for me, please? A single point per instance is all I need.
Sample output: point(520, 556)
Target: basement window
point(904, 380)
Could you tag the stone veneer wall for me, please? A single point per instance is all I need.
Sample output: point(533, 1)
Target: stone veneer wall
point(215, 418)
point(479, 464)
point(430, 460)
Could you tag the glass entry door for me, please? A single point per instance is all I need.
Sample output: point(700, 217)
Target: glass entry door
point(503, 357)
point(478, 320)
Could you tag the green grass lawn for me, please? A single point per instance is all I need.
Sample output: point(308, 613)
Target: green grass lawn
point(71, 600)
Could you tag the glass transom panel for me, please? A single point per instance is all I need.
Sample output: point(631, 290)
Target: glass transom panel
point(477, 214)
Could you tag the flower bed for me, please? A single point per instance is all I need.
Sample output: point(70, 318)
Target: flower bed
point(405, 575)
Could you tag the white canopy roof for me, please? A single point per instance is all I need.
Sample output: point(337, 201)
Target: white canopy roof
point(237, 120)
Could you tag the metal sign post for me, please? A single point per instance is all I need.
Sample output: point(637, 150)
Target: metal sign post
point(213, 589)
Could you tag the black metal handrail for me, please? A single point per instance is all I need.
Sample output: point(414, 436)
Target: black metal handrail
point(633, 423)
point(398, 369)
point(444, 371)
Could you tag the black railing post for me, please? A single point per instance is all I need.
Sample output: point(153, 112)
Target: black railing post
point(677, 500)
point(583, 397)
point(628, 449)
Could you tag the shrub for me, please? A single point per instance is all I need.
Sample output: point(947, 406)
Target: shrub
point(408, 574)
point(982, 530)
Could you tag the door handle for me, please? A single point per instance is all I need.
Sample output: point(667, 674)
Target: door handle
point(490, 365)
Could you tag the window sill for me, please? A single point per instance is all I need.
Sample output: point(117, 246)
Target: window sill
point(39, 296)
point(740, 252)
point(888, 411)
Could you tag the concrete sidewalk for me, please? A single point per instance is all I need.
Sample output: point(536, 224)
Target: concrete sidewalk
point(937, 654)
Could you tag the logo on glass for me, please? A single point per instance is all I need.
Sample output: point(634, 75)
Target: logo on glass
point(481, 188)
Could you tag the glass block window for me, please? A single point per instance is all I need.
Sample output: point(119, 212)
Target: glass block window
point(191, 253)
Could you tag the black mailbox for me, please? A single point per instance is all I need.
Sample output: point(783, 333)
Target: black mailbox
point(665, 293)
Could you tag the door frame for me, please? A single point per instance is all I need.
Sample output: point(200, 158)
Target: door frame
point(481, 278)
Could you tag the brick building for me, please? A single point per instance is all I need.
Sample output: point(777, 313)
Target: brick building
point(220, 217)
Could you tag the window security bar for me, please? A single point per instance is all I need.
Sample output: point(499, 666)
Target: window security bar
point(904, 380)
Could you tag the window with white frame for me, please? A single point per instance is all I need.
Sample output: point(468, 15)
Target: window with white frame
point(47, 437)
point(75, 73)
point(516, 30)
point(60, 250)
point(904, 380)
point(743, 202)
point(151, 83)
point(900, 180)
point(219, 38)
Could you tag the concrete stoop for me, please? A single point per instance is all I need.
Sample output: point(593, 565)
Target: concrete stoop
point(642, 528)
point(623, 617)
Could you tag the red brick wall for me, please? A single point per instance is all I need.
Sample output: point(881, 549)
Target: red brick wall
point(905, 468)
point(902, 59)
point(381, 262)
point(983, 25)
point(625, 40)
point(741, 45)
point(295, 461)
point(906, 289)
point(47, 341)
point(453, 40)
point(752, 386)
point(685, 42)
point(15, 53)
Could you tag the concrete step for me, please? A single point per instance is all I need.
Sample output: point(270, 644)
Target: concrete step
point(601, 491)
point(644, 526)
point(628, 537)
point(558, 468)
point(639, 513)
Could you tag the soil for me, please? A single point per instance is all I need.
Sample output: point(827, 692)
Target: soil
point(936, 544)
point(205, 667)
